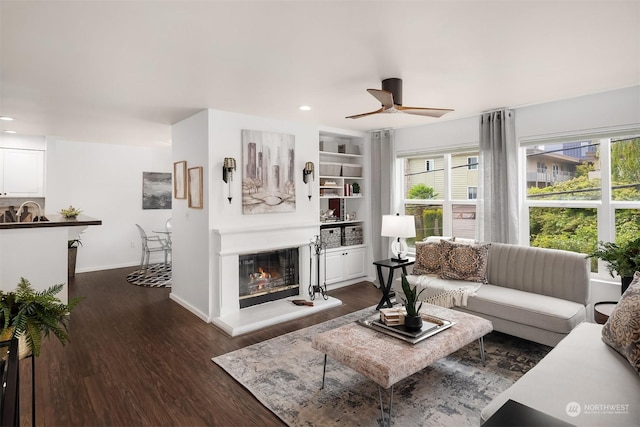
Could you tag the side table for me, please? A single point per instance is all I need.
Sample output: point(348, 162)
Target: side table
point(385, 287)
point(602, 311)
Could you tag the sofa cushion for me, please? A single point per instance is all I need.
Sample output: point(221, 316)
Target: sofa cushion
point(552, 272)
point(428, 258)
point(622, 330)
point(580, 369)
point(540, 311)
point(464, 261)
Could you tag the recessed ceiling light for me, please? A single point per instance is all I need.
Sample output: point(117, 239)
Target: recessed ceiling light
point(304, 108)
point(10, 131)
point(5, 118)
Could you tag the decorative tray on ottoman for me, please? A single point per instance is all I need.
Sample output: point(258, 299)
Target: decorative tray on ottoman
point(431, 325)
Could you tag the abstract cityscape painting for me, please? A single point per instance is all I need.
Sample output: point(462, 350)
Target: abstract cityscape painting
point(156, 190)
point(268, 176)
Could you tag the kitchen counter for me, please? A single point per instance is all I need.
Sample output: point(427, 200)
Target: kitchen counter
point(38, 251)
point(55, 220)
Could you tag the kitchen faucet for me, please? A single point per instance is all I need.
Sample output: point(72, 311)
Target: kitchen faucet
point(28, 202)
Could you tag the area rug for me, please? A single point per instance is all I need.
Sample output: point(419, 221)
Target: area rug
point(156, 276)
point(285, 375)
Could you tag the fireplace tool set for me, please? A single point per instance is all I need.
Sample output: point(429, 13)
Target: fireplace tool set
point(317, 248)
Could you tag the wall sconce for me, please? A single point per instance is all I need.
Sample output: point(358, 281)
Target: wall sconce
point(308, 175)
point(227, 173)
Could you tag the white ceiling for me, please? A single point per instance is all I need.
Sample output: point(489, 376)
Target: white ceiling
point(125, 71)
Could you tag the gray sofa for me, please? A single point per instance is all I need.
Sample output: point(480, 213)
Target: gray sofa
point(533, 293)
point(582, 381)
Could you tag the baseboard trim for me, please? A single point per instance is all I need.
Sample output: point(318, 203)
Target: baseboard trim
point(189, 307)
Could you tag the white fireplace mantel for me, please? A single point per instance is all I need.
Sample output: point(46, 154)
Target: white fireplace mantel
point(234, 241)
point(228, 245)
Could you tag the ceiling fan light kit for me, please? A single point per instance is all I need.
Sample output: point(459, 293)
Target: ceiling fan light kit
point(390, 96)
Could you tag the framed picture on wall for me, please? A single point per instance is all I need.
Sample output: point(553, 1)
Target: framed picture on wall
point(180, 180)
point(195, 187)
point(156, 190)
point(268, 175)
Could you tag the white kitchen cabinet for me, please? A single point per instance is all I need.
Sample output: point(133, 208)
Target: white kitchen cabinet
point(343, 263)
point(22, 173)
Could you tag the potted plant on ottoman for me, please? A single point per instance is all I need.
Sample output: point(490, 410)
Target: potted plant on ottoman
point(622, 259)
point(29, 315)
point(412, 320)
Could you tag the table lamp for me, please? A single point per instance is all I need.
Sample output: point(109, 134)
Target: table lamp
point(399, 227)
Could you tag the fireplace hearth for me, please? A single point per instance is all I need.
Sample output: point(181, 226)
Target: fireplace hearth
point(268, 276)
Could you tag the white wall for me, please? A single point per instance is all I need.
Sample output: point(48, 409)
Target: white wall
point(446, 135)
point(105, 182)
point(225, 136)
point(597, 112)
point(190, 237)
point(205, 140)
point(29, 142)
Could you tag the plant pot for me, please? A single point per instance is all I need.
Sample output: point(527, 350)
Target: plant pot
point(71, 268)
point(413, 323)
point(23, 347)
point(626, 281)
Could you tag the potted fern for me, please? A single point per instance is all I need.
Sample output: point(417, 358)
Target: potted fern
point(30, 315)
point(412, 320)
point(622, 259)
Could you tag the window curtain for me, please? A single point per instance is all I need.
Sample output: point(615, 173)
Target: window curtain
point(382, 185)
point(497, 208)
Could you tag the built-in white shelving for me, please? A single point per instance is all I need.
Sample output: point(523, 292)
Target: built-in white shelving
point(342, 190)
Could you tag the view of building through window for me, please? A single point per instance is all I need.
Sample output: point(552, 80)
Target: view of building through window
point(579, 193)
point(442, 198)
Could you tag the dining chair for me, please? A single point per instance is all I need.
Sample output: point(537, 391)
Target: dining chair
point(152, 244)
point(168, 229)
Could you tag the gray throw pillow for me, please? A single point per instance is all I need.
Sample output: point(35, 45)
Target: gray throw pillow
point(622, 330)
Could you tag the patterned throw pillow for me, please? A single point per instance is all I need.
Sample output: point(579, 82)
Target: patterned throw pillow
point(622, 330)
point(427, 258)
point(464, 261)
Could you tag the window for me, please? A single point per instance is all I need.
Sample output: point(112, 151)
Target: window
point(472, 193)
point(593, 194)
point(472, 163)
point(429, 195)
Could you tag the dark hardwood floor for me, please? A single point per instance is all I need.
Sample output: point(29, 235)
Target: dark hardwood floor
point(137, 358)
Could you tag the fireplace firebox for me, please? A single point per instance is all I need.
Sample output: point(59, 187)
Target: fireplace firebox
point(268, 276)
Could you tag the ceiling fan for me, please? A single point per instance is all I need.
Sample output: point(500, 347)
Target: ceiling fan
point(391, 99)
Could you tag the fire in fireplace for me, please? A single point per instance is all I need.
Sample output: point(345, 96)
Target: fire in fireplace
point(268, 276)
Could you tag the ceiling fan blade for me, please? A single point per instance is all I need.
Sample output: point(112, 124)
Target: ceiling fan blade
point(384, 96)
point(357, 116)
point(429, 112)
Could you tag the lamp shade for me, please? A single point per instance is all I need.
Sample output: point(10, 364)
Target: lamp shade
point(402, 226)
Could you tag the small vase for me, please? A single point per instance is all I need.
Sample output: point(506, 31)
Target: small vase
point(625, 281)
point(413, 323)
